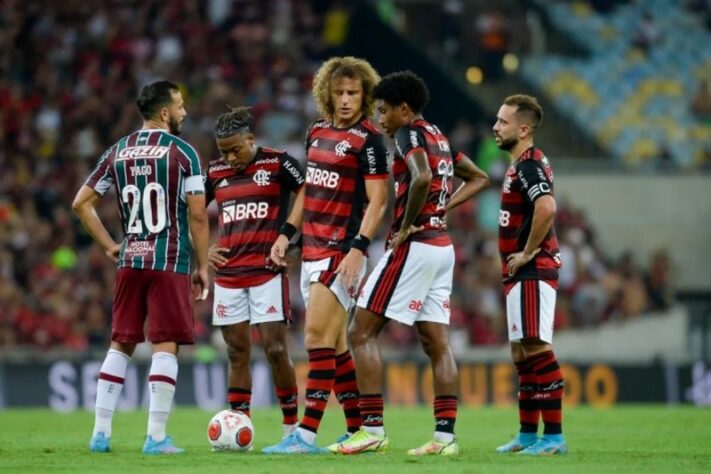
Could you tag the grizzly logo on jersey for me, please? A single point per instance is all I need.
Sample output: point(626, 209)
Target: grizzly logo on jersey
point(241, 211)
point(143, 152)
point(342, 147)
point(319, 177)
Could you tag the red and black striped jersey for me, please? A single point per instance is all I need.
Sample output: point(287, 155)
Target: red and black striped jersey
point(152, 171)
point(422, 135)
point(527, 178)
point(339, 162)
point(252, 205)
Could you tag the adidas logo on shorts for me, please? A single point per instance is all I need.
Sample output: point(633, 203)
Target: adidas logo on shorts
point(272, 309)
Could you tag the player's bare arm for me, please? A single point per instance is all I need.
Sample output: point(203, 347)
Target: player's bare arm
point(421, 178)
point(544, 210)
point(84, 206)
point(200, 233)
point(377, 192)
point(293, 225)
point(475, 181)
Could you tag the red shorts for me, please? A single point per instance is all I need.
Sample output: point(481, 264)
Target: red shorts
point(162, 297)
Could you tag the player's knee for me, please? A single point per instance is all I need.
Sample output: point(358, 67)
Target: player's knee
point(238, 354)
point(275, 351)
point(356, 336)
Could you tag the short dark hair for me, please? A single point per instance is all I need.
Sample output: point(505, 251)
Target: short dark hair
point(154, 96)
point(528, 107)
point(403, 86)
point(237, 120)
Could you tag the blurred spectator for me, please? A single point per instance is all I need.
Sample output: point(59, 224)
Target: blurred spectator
point(647, 33)
point(701, 103)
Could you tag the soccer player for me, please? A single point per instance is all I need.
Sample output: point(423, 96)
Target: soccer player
point(530, 259)
point(161, 200)
point(346, 197)
point(412, 282)
point(252, 186)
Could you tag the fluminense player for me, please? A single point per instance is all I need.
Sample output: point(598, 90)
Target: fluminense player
point(161, 201)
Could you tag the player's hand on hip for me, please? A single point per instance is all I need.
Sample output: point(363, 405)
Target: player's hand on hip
point(349, 269)
point(401, 236)
point(200, 284)
point(113, 252)
point(215, 256)
point(519, 259)
point(278, 251)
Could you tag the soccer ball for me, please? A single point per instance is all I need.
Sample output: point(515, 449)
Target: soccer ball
point(230, 430)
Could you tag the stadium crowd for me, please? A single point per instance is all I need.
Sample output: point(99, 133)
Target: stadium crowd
point(69, 72)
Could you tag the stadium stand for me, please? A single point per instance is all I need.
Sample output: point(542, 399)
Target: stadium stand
point(69, 76)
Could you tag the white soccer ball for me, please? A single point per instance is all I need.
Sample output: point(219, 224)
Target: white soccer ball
point(230, 430)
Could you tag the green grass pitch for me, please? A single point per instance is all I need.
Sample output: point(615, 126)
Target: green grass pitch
point(638, 439)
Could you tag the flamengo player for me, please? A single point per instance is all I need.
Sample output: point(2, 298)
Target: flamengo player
point(530, 260)
point(412, 282)
point(252, 186)
point(160, 190)
point(346, 197)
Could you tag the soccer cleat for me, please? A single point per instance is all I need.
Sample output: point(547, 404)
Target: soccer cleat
point(363, 442)
point(288, 429)
point(519, 443)
point(99, 443)
point(160, 447)
point(547, 446)
point(333, 448)
point(436, 447)
point(294, 444)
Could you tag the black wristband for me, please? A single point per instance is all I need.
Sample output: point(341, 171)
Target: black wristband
point(360, 242)
point(288, 230)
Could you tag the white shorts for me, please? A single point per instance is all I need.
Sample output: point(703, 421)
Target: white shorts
point(257, 304)
point(322, 271)
point(412, 284)
point(530, 310)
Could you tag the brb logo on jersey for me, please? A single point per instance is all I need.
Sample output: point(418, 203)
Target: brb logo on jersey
point(261, 177)
point(319, 177)
point(342, 147)
point(242, 211)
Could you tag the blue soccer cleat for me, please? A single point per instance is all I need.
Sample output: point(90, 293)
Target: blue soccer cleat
point(293, 444)
point(519, 443)
point(548, 445)
point(160, 447)
point(99, 443)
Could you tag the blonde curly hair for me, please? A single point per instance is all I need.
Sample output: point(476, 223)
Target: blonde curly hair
point(346, 66)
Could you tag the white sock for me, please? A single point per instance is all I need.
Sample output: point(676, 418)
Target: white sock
point(108, 390)
point(306, 435)
point(288, 429)
point(376, 430)
point(161, 381)
point(443, 437)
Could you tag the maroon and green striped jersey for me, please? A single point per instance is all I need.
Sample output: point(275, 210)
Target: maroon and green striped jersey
point(339, 162)
point(529, 177)
point(152, 171)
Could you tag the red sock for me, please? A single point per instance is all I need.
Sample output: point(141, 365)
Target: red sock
point(550, 391)
point(322, 371)
point(346, 389)
point(528, 411)
point(289, 403)
point(371, 409)
point(445, 412)
point(240, 399)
